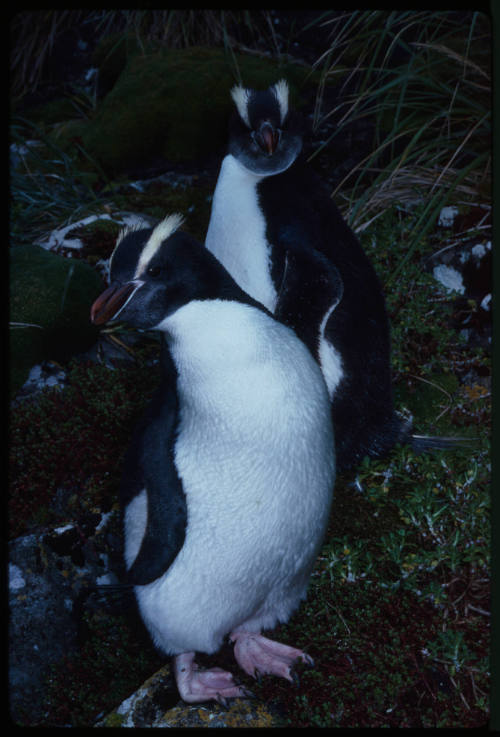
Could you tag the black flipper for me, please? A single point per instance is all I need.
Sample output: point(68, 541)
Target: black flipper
point(150, 465)
point(310, 286)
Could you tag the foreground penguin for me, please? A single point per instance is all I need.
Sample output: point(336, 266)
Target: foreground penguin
point(228, 481)
point(268, 205)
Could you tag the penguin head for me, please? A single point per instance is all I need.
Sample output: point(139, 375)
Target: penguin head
point(155, 271)
point(265, 134)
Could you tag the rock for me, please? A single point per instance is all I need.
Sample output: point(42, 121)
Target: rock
point(147, 708)
point(465, 272)
point(50, 298)
point(49, 575)
point(41, 627)
point(450, 278)
point(173, 106)
point(447, 216)
point(42, 376)
point(19, 152)
point(93, 238)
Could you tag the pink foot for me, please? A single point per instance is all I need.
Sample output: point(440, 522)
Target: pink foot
point(259, 656)
point(204, 685)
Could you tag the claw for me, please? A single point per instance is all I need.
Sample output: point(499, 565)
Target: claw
point(259, 656)
point(307, 660)
point(295, 678)
point(222, 701)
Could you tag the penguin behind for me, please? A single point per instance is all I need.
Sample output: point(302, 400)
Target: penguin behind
point(228, 482)
point(268, 206)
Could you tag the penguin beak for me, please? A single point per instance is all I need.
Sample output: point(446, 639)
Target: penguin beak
point(267, 137)
point(108, 305)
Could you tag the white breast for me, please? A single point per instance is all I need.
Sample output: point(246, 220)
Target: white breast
point(237, 232)
point(255, 455)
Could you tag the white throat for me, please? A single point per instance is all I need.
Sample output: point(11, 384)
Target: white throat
point(213, 341)
point(237, 232)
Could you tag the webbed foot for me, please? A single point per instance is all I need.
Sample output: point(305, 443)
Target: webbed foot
point(197, 685)
point(257, 655)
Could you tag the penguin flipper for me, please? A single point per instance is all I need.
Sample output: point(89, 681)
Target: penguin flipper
point(310, 287)
point(150, 466)
point(165, 531)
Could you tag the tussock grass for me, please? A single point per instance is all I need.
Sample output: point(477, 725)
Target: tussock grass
point(422, 81)
point(47, 186)
point(32, 39)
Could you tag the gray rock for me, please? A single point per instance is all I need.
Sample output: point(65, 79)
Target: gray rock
point(464, 271)
point(48, 572)
point(44, 375)
point(148, 707)
point(41, 627)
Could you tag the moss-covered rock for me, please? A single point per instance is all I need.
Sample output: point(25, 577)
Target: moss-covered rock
point(50, 299)
point(148, 707)
point(174, 105)
point(111, 55)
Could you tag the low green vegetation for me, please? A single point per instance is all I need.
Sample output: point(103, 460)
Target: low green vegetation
point(113, 656)
point(68, 445)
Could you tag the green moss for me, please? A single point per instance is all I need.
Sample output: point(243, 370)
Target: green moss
point(55, 111)
point(54, 294)
point(111, 55)
point(159, 199)
point(114, 720)
point(173, 104)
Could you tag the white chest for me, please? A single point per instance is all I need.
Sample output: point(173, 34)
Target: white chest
point(237, 232)
point(254, 422)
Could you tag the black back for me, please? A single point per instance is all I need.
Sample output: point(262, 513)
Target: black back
point(298, 210)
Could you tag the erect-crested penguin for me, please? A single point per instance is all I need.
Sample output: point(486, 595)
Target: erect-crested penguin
point(269, 204)
point(228, 483)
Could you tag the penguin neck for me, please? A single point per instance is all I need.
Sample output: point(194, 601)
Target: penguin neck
point(212, 339)
point(233, 168)
point(237, 231)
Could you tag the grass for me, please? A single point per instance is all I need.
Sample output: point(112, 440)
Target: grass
point(397, 616)
point(48, 187)
point(422, 80)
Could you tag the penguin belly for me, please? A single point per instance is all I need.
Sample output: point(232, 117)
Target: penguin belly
point(254, 453)
point(237, 232)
